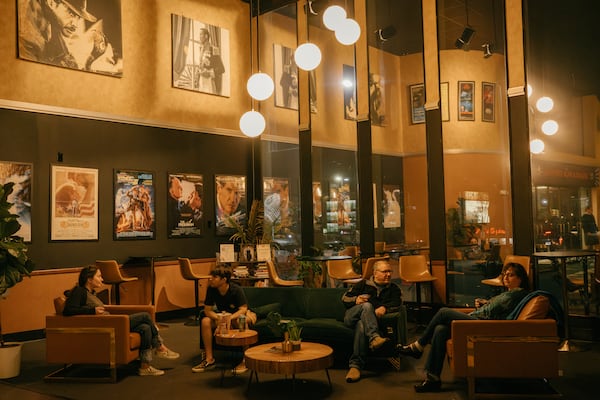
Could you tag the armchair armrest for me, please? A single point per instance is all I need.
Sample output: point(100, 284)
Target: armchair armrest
point(131, 309)
point(462, 329)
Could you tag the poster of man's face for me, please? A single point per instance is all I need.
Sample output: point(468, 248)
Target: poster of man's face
point(185, 209)
point(230, 203)
point(76, 34)
point(200, 56)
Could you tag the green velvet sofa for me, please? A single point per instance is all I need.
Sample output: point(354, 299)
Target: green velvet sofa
point(320, 313)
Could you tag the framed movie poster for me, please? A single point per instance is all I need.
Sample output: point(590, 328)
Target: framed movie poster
point(286, 77)
point(488, 101)
point(185, 208)
point(392, 212)
point(21, 175)
point(277, 202)
point(377, 99)
point(200, 56)
point(417, 103)
point(349, 84)
point(230, 207)
point(73, 203)
point(134, 205)
point(82, 35)
point(466, 101)
point(444, 104)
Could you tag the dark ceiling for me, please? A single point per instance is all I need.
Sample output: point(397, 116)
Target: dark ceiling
point(485, 17)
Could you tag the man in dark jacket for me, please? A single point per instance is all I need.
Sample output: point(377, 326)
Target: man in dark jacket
point(367, 301)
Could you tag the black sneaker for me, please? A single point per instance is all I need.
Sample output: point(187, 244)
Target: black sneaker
point(410, 350)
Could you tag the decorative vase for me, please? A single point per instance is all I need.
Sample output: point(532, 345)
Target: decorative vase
point(10, 360)
point(286, 345)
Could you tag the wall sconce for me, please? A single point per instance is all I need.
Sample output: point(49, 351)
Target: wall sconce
point(465, 38)
point(487, 51)
point(386, 33)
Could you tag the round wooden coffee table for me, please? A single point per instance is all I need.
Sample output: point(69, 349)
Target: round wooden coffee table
point(235, 338)
point(269, 358)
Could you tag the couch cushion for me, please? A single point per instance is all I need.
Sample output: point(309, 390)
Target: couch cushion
point(325, 303)
point(536, 308)
point(264, 310)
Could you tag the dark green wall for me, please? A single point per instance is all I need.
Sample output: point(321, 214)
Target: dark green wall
point(38, 138)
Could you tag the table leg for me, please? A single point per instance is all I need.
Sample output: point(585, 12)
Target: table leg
point(152, 280)
point(328, 379)
point(565, 292)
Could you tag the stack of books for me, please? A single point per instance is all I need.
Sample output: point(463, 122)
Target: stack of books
point(240, 271)
point(262, 271)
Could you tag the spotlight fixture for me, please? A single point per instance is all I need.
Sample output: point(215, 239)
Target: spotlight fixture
point(487, 51)
point(465, 38)
point(386, 33)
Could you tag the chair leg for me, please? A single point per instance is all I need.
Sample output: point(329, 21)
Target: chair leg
point(196, 320)
point(117, 293)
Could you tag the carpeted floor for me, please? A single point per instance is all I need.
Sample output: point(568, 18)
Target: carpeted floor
point(381, 381)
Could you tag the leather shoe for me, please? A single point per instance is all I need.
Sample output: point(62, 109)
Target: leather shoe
point(377, 342)
point(409, 350)
point(428, 386)
point(353, 375)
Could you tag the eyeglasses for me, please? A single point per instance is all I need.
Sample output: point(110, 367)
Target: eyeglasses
point(387, 271)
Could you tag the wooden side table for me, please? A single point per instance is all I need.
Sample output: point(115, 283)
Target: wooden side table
point(269, 358)
point(235, 338)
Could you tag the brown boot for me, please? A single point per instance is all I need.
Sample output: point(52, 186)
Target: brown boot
point(377, 342)
point(353, 375)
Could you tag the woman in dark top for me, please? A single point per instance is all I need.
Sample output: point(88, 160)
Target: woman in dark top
point(82, 299)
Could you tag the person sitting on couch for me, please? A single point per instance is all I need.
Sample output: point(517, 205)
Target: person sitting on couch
point(514, 278)
point(82, 299)
point(224, 296)
point(367, 301)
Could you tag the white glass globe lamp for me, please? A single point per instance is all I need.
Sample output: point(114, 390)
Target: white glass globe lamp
point(536, 146)
point(529, 90)
point(347, 32)
point(260, 86)
point(550, 127)
point(544, 104)
point(307, 56)
point(333, 16)
point(252, 123)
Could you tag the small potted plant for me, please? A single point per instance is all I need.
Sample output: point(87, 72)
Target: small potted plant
point(295, 331)
point(14, 265)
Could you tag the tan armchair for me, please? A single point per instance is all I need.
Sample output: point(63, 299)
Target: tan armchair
point(523, 348)
point(91, 339)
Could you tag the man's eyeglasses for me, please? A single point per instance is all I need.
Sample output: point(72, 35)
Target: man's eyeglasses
point(386, 271)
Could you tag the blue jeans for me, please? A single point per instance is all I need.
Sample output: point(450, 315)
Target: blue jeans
point(142, 323)
point(437, 333)
point(362, 318)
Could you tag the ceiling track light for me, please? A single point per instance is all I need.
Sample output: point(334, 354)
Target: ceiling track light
point(487, 50)
point(465, 38)
point(386, 33)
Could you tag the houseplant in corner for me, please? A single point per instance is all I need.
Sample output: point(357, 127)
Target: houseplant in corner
point(14, 264)
point(250, 235)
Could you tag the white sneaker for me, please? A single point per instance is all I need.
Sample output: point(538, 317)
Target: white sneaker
point(168, 354)
point(240, 368)
point(150, 371)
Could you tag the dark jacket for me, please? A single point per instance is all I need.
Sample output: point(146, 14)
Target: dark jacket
point(389, 296)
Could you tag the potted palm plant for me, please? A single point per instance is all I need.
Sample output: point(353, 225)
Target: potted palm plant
point(14, 265)
point(252, 233)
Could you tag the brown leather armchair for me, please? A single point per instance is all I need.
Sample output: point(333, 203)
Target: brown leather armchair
point(91, 339)
point(526, 347)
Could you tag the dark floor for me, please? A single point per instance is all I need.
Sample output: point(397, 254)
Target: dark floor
point(580, 372)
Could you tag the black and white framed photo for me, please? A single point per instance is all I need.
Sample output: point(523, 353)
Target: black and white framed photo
point(200, 56)
point(285, 77)
point(349, 84)
point(134, 216)
point(73, 203)
point(21, 174)
point(76, 34)
point(185, 205)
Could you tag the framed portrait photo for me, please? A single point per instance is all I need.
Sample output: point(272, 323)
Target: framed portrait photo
point(185, 206)
point(21, 174)
point(73, 203)
point(200, 56)
point(466, 101)
point(488, 102)
point(417, 103)
point(134, 216)
point(285, 77)
point(230, 207)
